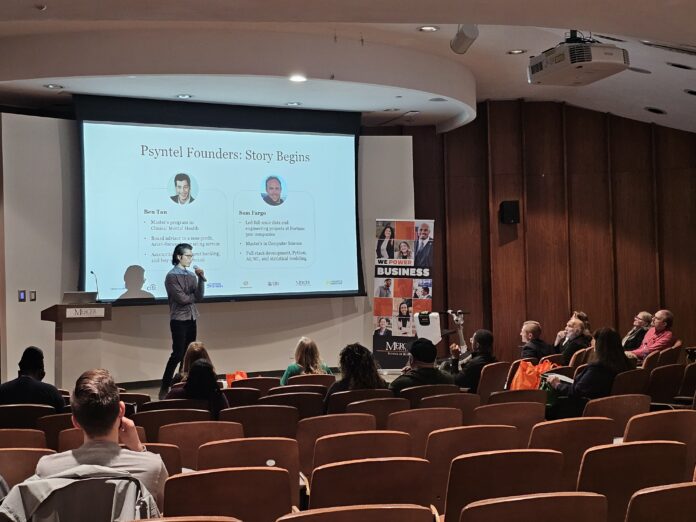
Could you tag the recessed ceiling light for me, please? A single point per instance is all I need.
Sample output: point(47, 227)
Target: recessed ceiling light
point(184, 96)
point(681, 66)
point(438, 99)
point(428, 28)
point(692, 92)
point(392, 110)
point(517, 51)
point(53, 86)
point(293, 104)
point(655, 110)
point(298, 78)
point(639, 70)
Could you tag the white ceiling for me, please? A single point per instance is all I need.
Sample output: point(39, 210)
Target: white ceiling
point(334, 23)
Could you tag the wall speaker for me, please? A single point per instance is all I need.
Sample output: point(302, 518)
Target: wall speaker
point(509, 212)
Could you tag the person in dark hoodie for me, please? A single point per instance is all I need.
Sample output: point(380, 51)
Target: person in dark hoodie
point(421, 368)
point(482, 354)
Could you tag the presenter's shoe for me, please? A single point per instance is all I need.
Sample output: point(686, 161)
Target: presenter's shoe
point(163, 393)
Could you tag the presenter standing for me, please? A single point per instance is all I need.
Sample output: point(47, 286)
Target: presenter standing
point(184, 289)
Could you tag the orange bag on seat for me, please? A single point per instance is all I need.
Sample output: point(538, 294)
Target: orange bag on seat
point(236, 376)
point(528, 376)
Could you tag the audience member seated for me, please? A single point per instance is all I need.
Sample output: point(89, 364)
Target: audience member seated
point(658, 337)
point(596, 379)
point(195, 351)
point(533, 345)
point(481, 355)
point(635, 335)
point(420, 368)
point(574, 337)
point(27, 388)
point(358, 371)
point(307, 361)
point(201, 384)
point(98, 412)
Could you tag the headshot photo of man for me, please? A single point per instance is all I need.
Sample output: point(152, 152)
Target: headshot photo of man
point(182, 184)
point(274, 189)
point(423, 247)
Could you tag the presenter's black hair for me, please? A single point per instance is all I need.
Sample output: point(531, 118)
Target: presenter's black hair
point(179, 251)
point(182, 177)
point(271, 178)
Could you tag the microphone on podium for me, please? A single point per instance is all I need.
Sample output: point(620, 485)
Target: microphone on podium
point(96, 282)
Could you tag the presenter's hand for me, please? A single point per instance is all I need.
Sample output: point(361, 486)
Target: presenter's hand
point(200, 273)
point(128, 435)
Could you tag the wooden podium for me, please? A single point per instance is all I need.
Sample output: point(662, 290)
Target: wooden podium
point(77, 327)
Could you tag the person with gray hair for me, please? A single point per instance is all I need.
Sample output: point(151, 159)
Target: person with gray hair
point(658, 337)
point(634, 338)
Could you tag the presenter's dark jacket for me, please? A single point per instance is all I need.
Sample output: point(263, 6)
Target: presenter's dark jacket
point(568, 348)
point(470, 373)
point(267, 199)
point(27, 390)
point(175, 199)
point(537, 349)
point(634, 338)
point(184, 289)
point(418, 377)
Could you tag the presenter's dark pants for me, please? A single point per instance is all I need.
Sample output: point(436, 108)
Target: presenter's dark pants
point(183, 333)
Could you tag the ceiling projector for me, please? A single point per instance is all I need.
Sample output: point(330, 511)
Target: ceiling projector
point(577, 61)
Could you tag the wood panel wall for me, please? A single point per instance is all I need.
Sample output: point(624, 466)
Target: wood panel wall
point(608, 218)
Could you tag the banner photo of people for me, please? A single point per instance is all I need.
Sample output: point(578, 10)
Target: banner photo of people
point(403, 286)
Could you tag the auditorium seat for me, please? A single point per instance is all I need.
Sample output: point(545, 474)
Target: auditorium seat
point(664, 382)
point(170, 455)
point(492, 474)
point(309, 430)
point(264, 420)
point(52, 425)
point(670, 355)
point(18, 464)
point(23, 415)
point(252, 494)
point(395, 480)
point(523, 415)
point(572, 437)
point(173, 404)
point(324, 379)
point(363, 513)
point(263, 384)
point(493, 377)
point(565, 507)
point(579, 369)
point(338, 401)
point(651, 361)
point(414, 394)
point(152, 420)
point(135, 398)
point(500, 397)
point(677, 425)
point(189, 436)
point(299, 388)
point(617, 471)
point(241, 396)
point(21, 438)
point(73, 438)
point(380, 409)
point(674, 503)
point(465, 402)
point(620, 408)
point(307, 404)
point(446, 444)
point(631, 382)
point(687, 388)
point(419, 423)
point(361, 445)
point(514, 366)
point(194, 519)
point(254, 452)
point(567, 371)
point(579, 358)
point(556, 358)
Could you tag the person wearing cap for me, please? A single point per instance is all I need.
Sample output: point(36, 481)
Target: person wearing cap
point(27, 388)
point(634, 338)
point(482, 354)
point(421, 368)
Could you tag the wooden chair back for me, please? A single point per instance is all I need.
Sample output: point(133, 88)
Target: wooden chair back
point(135, 398)
point(631, 382)
point(419, 423)
point(361, 445)
point(556, 358)
point(620, 408)
point(299, 388)
point(493, 377)
point(670, 355)
point(664, 382)
point(52, 425)
point(367, 513)
point(396, 480)
point(466, 402)
point(325, 379)
point(380, 409)
point(501, 397)
point(617, 471)
point(170, 455)
point(492, 474)
point(672, 502)
point(688, 384)
point(241, 396)
point(189, 436)
point(572, 437)
point(23, 416)
point(651, 362)
point(18, 464)
point(278, 452)
point(566, 506)
point(264, 420)
point(446, 444)
point(338, 401)
point(73, 438)
point(522, 415)
point(252, 494)
point(173, 404)
point(152, 420)
point(21, 438)
point(307, 404)
point(414, 394)
point(263, 384)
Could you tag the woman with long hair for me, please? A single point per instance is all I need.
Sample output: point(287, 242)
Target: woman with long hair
point(403, 317)
point(404, 251)
point(307, 361)
point(202, 385)
point(385, 243)
point(597, 378)
point(195, 351)
point(359, 371)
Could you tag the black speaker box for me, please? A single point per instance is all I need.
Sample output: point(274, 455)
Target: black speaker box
point(509, 212)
